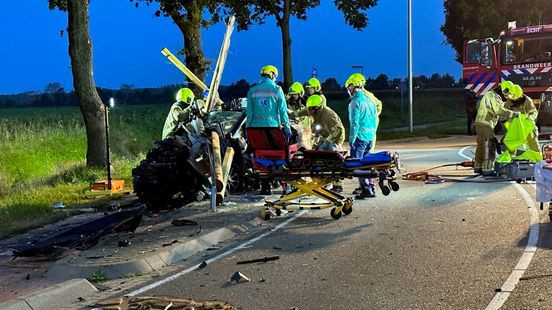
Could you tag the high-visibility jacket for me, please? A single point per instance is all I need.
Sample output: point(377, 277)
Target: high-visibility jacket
point(491, 108)
point(363, 118)
point(331, 128)
point(294, 107)
point(526, 107)
point(266, 106)
point(178, 113)
point(375, 100)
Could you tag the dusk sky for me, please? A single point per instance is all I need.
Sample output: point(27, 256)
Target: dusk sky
point(127, 43)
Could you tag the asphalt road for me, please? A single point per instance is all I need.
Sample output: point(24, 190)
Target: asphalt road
point(429, 246)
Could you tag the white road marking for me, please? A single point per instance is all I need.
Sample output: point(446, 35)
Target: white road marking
point(461, 153)
point(523, 263)
point(525, 259)
point(213, 259)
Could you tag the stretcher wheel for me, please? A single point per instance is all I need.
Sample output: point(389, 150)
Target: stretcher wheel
point(348, 208)
point(394, 186)
point(336, 215)
point(385, 190)
point(278, 212)
point(266, 214)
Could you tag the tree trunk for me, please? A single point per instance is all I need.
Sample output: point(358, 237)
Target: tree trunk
point(92, 109)
point(190, 26)
point(286, 45)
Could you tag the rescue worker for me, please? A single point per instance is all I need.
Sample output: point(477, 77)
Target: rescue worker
point(375, 100)
point(491, 108)
point(296, 102)
point(295, 97)
point(313, 87)
point(180, 111)
point(470, 102)
point(327, 127)
point(326, 124)
point(266, 103)
point(266, 107)
point(362, 132)
point(520, 102)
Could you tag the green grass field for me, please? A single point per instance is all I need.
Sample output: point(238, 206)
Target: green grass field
point(42, 150)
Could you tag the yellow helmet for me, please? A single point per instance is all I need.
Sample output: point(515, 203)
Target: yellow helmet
point(314, 83)
point(356, 79)
point(269, 69)
point(296, 89)
point(185, 95)
point(506, 87)
point(314, 101)
point(516, 92)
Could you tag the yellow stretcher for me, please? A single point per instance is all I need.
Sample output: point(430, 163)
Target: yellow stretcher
point(310, 171)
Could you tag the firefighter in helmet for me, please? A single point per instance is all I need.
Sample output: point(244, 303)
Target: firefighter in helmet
point(313, 87)
point(362, 132)
point(327, 127)
point(296, 102)
point(519, 102)
point(295, 97)
point(180, 111)
point(491, 108)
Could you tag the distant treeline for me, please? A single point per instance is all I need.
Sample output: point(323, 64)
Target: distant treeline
point(55, 95)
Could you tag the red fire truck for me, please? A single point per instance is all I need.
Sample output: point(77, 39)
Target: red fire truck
point(522, 55)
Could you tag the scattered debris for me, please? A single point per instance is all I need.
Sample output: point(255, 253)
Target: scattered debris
point(498, 290)
point(238, 276)
point(202, 265)
point(83, 236)
point(124, 243)
point(170, 243)
point(58, 205)
point(80, 299)
point(95, 257)
point(259, 260)
point(28, 277)
point(262, 280)
point(277, 248)
point(162, 302)
point(183, 222)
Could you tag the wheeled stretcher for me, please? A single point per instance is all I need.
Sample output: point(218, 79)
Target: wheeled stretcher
point(310, 171)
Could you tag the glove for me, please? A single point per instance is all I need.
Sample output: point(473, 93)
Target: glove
point(287, 134)
point(516, 115)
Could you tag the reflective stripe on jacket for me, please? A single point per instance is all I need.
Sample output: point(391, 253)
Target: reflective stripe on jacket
point(491, 107)
point(176, 115)
point(363, 118)
point(266, 106)
point(527, 107)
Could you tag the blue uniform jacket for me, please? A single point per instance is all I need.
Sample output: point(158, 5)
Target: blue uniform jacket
point(363, 118)
point(266, 106)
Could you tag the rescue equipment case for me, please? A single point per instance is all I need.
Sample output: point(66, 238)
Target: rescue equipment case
point(519, 170)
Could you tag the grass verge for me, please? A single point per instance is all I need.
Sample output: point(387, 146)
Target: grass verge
point(43, 149)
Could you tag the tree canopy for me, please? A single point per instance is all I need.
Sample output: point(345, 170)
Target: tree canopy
point(479, 19)
point(248, 12)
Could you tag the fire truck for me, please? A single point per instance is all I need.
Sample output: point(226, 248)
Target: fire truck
point(522, 55)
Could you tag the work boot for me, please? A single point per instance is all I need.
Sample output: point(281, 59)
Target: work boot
point(478, 170)
point(337, 188)
point(357, 191)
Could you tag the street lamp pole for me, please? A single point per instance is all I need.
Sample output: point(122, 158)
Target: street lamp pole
point(410, 65)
